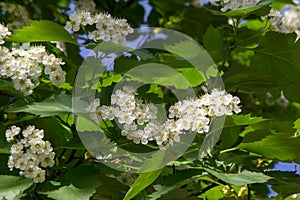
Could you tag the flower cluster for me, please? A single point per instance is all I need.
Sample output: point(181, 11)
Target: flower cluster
point(19, 15)
point(235, 4)
point(30, 154)
point(24, 64)
point(3, 33)
point(287, 21)
point(140, 122)
point(107, 27)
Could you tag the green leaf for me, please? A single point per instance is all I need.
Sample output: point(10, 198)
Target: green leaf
point(179, 194)
point(84, 176)
point(12, 187)
point(244, 11)
point(284, 183)
point(243, 178)
point(246, 119)
point(184, 49)
point(159, 74)
point(41, 31)
point(143, 181)
point(4, 151)
point(74, 143)
point(279, 146)
point(86, 124)
point(57, 133)
point(61, 104)
point(249, 81)
point(71, 192)
point(161, 190)
point(297, 125)
point(281, 59)
point(212, 38)
point(108, 189)
point(214, 193)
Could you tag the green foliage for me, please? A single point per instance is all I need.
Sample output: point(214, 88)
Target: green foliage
point(42, 31)
point(257, 63)
point(143, 181)
point(242, 178)
point(71, 192)
point(60, 104)
point(13, 187)
point(278, 59)
point(279, 146)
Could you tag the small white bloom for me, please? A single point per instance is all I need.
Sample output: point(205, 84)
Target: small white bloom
point(10, 133)
point(39, 175)
point(57, 77)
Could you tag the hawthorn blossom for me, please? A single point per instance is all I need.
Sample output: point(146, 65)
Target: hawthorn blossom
point(31, 153)
point(139, 121)
point(24, 64)
point(107, 27)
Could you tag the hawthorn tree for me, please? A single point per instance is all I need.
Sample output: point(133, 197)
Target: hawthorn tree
point(131, 99)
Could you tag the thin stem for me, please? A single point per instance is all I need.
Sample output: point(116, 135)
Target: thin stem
point(249, 192)
point(228, 150)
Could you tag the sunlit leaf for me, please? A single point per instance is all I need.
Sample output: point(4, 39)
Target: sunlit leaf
point(42, 31)
point(12, 187)
point(143, 181)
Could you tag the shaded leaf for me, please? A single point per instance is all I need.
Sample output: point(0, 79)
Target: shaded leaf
point(280, 59)
point(243, 178)
point(284, 183)
point(84, 176)
point(55, 132)
point(279, 146)
point(212, 38)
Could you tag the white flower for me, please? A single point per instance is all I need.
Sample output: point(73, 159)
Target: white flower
point(72, 25)
point(37, 146)
point(57, 77)
point(201, 125)
point(11, 163)
point(48, 148)
point(21, 164)
point(125, 117)
point(39, 175)
point(30, 171)
point(3, 33)
point(282, 101)
point(93, 105)
point(287, 20)
point(108, 112)
point(47, 160)
point(95, 35)
point(10, 133)
point(29, 130)
point(84, 18)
